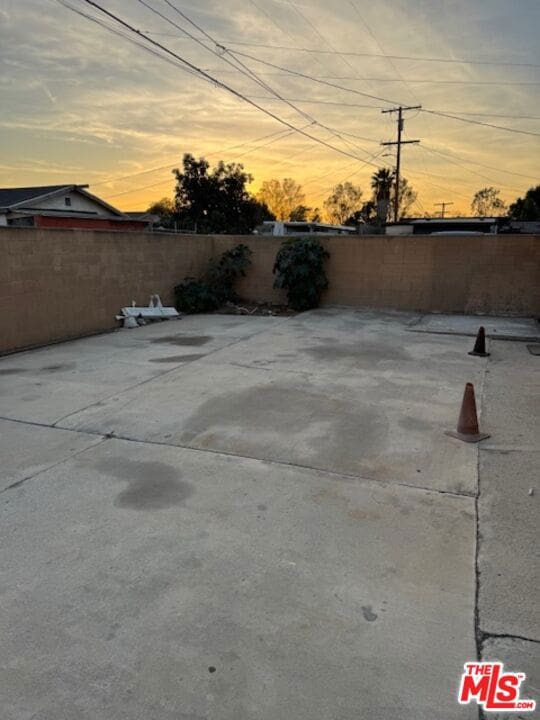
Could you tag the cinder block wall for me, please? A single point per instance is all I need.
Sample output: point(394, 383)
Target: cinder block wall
point(59, 284)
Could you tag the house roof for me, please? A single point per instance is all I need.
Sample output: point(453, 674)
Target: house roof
point(15, 196)
point(19, 198)
point(142, 215)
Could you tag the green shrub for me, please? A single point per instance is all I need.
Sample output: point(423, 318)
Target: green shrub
point(216, 286)
point(194, 296)
point(221, 275)
point(299, 269)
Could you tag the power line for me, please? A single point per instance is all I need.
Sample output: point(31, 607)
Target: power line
point(220, 52)
point(217, 82)
point(118, 32)
point(328, 189)
point(244, 69)
point(321, 81)
point(283, 133)
point(480, 175)
point(385, 100)
point(501, 115)
point(440, 187)
point(278, 26)
point(185, 65)
point(408, 81)
point(308, 101)
point(474, 162)
point(325, 40)
point(415, 58)
point(480, 122)
point(390, 61)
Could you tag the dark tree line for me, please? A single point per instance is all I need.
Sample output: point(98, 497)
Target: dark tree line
point(216, 200)
point(212, 200)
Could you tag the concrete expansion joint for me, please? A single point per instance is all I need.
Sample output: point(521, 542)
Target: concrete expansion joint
point(112, 435)
point(477, 631)
point(161, 374)
point(508, 450)
point(26, 422)
point(20, 482)
point(433, 490)
point(282, 463)
point(478, 536)
point(55, 426)
point(17, 483)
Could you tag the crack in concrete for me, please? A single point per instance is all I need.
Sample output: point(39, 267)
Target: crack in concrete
point(505, 636)
point(20, 482)
point(165, 372)
point(434, 490)
point(477, 631)
point(268, 461)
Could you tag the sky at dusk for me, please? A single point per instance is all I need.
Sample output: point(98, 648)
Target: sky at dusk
point(83, 105)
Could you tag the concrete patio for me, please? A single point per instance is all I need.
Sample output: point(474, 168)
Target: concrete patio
point(261, 518)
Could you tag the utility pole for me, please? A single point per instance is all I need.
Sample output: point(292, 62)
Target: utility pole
point(443, 206)
point(399, 142)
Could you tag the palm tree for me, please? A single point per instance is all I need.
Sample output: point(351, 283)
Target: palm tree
point(382, 182)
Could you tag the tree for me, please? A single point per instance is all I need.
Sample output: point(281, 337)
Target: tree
point(343, 202)
point(216, 201)
point(407, 197)
point(527, 208)
point(487, 202)
point(281, 197)
point(368, 212)
point(300, 213)
point(165, 210)
point(382, 182)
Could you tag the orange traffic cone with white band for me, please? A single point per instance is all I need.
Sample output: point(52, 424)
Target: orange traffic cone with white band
point(467, 427)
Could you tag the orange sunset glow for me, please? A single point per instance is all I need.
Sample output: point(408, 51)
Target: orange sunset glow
point(84, 103)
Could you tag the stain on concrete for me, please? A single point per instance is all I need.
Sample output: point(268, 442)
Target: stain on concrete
point(369, 615)
point(325, 494)
point(361, 354)
point(262, 507)
point(177, 358)
point(112, 632)
point(262, 419)
point(415, 424)
point(151, 485)
point(195, 340)
point(12, 371)
point(59, 367)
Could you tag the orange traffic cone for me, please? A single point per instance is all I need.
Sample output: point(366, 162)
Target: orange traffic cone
point(480, 344)
point(467, 427)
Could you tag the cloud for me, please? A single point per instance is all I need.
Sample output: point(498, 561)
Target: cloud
point(76, 96)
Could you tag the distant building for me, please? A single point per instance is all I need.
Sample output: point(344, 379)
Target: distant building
point(294, 228)
point(450, 226)
point(63, 206)
point(151, 219)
